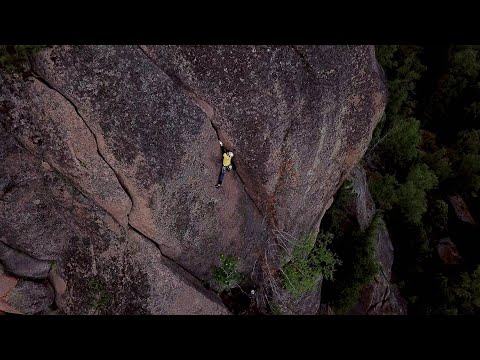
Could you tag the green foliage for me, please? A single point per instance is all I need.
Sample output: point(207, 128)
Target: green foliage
point(439, 215)
point(468, 142)
point(401, 145)
point(458, 295)
point(412, 202)
point(398, 134)
point(383, 190)
point(308, 262)
point(360, 266)
point(467, 162)
point(422, 177)
point(406, 71)
point(14, 58)
point(411, 170)
point(385, 55)
point(410, 198)
point(440, 163)
point(227, 275)
point(454, 100)
point(466, 63)
point(275, 309)
point(99, 296)
point(365, 265)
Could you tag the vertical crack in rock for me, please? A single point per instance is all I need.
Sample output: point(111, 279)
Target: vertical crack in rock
point(207, 108)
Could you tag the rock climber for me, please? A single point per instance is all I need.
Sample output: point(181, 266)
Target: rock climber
point(226, 164)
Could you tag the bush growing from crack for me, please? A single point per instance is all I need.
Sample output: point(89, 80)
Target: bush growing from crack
point(309, 261)
point(227, 275)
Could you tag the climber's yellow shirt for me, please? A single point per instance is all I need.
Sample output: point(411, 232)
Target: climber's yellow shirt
point(227, 160)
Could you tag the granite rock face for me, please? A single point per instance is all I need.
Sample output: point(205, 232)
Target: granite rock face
point(95, 265)
point(110, 155)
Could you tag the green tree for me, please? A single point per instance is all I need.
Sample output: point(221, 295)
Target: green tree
point(410, 198)
point(468, 142)
point(458, 294)
point(439, 162)
point(448, 110)
point(359, 269)
point(412, 202)
point(307, 263)
point(422, 177)
point(400, 147)
point(383, 190)
point(439, 215)
point(466, 63)
point(404, 80)
point(467, 162)
point(385, 55)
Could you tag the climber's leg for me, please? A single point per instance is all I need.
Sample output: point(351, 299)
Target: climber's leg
point(220, 177)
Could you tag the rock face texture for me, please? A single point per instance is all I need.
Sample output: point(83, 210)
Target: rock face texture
point(95, 265)
point(288, 112)
point(109, 156)
point(382, 297)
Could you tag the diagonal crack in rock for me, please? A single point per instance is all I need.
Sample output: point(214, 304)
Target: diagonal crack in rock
point(123, 184)
point(207, 108)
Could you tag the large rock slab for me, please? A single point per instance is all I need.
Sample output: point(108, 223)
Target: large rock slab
point(99, 266)
point(127, 139)
point(298, 118)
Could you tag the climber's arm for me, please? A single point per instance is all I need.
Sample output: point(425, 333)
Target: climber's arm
point(221, 145)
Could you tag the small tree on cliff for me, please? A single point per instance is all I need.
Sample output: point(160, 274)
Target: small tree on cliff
point(308, 262)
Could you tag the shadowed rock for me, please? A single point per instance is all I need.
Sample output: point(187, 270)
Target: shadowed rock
point(447, 251)
point(460, 209)
point(22, 265)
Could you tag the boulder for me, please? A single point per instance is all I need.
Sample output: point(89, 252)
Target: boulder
point(448, 252)
point(30, 297)
point(461, 210)
point(22, 265)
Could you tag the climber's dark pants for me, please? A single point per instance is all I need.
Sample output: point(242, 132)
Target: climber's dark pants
point(223, 170)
